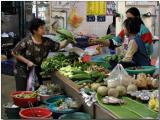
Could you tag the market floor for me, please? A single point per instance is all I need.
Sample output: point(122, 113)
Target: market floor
point(7, 86)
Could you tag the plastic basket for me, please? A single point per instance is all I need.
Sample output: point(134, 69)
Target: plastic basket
point(7, 67)
point(145, 69)
point(53, 107)
point(100, 60)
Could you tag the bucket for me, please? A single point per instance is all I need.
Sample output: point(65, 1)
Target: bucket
point(11, 111)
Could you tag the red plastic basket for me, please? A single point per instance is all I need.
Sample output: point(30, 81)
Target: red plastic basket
point(23, 102)
point(40, 113)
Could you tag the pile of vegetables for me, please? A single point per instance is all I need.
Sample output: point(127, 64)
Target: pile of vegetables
point(23, 95)
point(105, 37)
point(66, 34)
point(81, 77)
point(54, 63)
point(49, 89)
point(58, 61)
point(66, 103)
point(87, 77)
point(145, 81)
point(154, 101)
point(115, 58)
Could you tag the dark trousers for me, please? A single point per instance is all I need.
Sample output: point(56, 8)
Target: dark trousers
point(21, 77)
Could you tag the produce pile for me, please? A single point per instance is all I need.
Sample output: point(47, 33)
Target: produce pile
point(105, 37)
point(49, 89)
point(24, 95)
point(81, 76)
point(58, 61)
point(145, 81)
point(66, 103)
point(112, 87)
point(154, 101)
point(65, 34)
point(115, 58)
point(120, 84)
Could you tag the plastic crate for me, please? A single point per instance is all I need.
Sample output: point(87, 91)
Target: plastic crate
point(7, 67)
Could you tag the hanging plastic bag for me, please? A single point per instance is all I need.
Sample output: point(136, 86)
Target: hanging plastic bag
point(118, 76)
point(74, 19)
point(32, 80)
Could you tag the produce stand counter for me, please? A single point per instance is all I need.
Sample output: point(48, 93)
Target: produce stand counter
point(71, 89)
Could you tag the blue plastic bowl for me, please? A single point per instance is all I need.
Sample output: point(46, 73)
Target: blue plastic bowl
point(54, 99)
point(76, 116)
point(52, 106)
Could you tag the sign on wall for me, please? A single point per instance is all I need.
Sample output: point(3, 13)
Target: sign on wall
point(96, 8)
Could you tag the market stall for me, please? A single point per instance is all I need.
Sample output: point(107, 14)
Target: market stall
point(133, 106)
point(92, 75)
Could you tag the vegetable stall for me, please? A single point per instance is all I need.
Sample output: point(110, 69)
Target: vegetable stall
point(115, 92)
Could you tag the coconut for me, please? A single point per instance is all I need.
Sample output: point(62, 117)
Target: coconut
point(121, 89)
point(113, 83)
point(113, 92)
point(155, 83)
point(126, 81)
point(131, 87)
point(94, 86)
point(102, 90)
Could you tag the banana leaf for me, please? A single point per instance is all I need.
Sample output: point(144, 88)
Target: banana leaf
point(132, 110)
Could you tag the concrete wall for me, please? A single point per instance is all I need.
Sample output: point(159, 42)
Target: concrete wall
point(98, 28)
point(10, 23)
point(149, 21)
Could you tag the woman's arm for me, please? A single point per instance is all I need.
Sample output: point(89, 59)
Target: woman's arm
point(113, 43)
point(132, 49)
point(19, 49)
point(23, 59)
point(63, 44)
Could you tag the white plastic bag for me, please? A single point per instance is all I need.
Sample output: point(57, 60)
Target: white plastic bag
point(32, 79)
point(118, 76)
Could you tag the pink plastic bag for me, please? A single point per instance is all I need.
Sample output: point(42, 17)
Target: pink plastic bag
point(32, 79)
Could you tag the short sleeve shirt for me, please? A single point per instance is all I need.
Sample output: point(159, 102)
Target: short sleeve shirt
point(34, 52)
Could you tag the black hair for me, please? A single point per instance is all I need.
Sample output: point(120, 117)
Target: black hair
point(135, 12)
point(132, 25)
point(35, 24)
point(114, 21)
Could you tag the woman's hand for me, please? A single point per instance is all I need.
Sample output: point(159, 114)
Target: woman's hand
point(24, 60)
point(64, 43)
point(99, 42)
point(30, 64)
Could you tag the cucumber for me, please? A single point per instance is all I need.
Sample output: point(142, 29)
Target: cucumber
point(84, 81)
point(80, 77)
point(95, 74)
point(78, 72)
point(100, 79)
